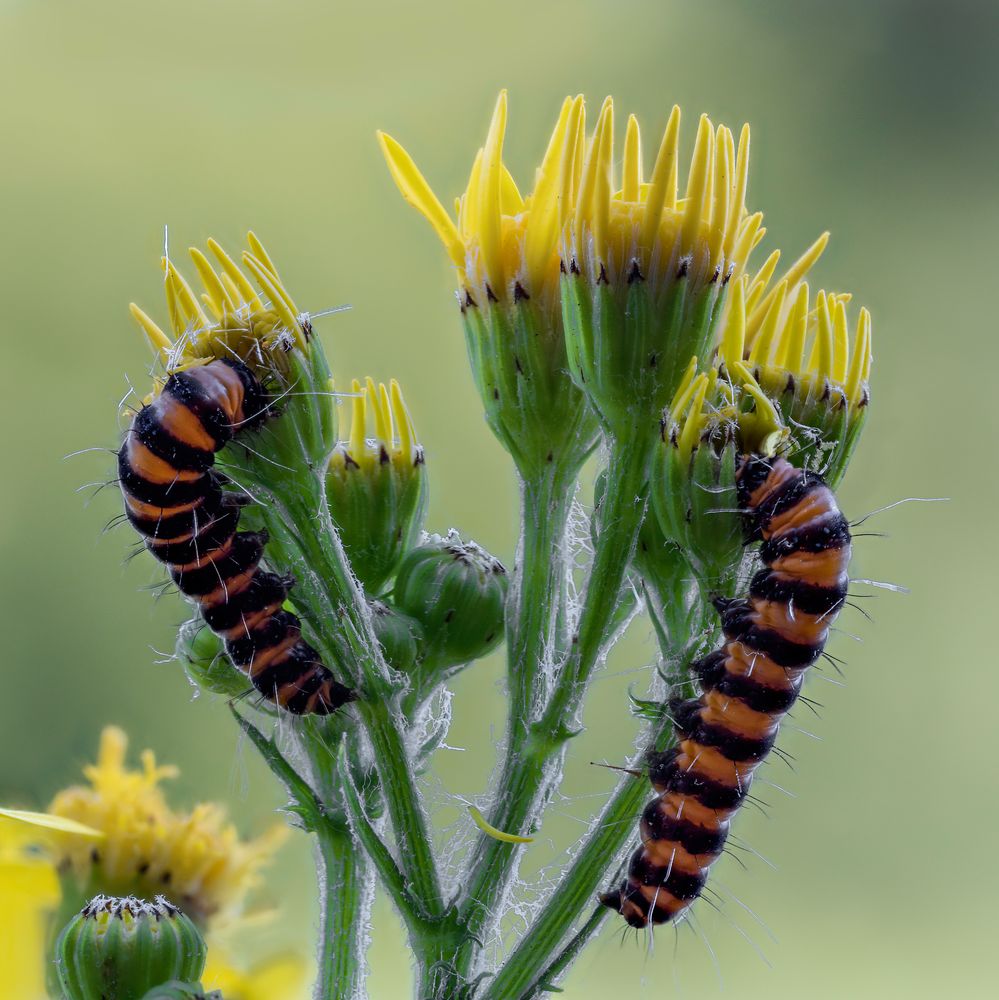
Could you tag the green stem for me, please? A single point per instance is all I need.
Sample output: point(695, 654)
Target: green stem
point(533, 760)
point(530, 964)
point(348, 636)
point(530, 638)
point(398, 789)
point(616, 826)
point(622, 510)
point(531, 634)
point(345, 905)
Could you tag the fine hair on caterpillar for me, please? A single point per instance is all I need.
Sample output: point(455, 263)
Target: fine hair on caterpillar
point(175, 500)
point(772, 636)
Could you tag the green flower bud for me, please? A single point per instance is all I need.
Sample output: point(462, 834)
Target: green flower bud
point(457, 592)
point(182, 991)
point(377, 487)
point(401, 636)
point(120, 948)
point(201, 652)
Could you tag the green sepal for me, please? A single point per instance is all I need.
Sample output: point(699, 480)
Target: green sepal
point(456, 591)
point(628, 345)
point(401, 636)
point(517, 354)
point(120, 948)
point(696, 505)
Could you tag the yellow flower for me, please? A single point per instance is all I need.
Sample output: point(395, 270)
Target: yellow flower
point(504, 245)
point(376, 484)
point(642, 230)
point(118, 836)
point(229, 318)
point(29, 889)
point(196, 859)
point(282, 977)
point(782, 339)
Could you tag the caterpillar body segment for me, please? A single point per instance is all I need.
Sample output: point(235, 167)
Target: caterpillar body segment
point(772, 636)
point(188, 522)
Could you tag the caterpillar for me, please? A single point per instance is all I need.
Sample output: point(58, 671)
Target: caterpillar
point(747, 686)
point(187, 521)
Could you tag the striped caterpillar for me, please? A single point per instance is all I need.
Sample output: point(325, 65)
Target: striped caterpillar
point(747, 686)
point(188, 522)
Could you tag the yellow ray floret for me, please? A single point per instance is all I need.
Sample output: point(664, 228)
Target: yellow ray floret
point(782, 337)
point(707, 400)
point(498, 238)
point(645, 225)
point(381, 429)
point(232, 316)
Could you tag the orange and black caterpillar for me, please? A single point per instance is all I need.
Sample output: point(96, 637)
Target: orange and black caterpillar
point(187, 520)
point(772, 637)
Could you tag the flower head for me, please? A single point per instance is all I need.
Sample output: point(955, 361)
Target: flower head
point(376, 483)
point(807, 359)
point(229, 317)
point(505, 249)
point(639, 230)
point(504, 245)
point(196, 858)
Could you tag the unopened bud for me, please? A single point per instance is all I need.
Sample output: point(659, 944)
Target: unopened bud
point(401, 637)
point(376, 484)
point(457, 592)
point(121, 948)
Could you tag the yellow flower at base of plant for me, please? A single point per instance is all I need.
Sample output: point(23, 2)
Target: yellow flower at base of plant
point(229, 317)
point(196, 859)
point(282, 977)
point(29, 890)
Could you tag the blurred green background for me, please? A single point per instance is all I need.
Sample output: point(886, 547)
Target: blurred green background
point(875, 120)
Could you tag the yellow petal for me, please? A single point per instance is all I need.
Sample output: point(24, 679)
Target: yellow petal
point(733, 339)
point(662, 189)
point(490, 227)
point(541, 233)
point(698, 181)
point(631, 182)
point(794, 274)
point(159, 341)
point(417, 192)
point(47, 821)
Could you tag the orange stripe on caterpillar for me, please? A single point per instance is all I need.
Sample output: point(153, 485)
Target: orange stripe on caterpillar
point(175, 501)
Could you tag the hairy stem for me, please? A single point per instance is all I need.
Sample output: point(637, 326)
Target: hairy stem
point(531, 964)
point(531, 637)
point(533, 759)
point(345, 908)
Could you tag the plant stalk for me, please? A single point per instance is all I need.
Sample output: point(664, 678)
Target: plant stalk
point(532, 765)
point(346, 892)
